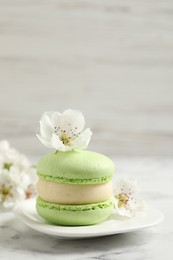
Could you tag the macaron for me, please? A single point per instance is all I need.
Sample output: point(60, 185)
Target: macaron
point(75, 188)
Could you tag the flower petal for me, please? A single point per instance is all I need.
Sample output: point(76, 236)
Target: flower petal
point(57, 143)
point(46, 118)
point(75, 119)
point(48, 114)
point(4, 145)
point(56, 119)
point(122, 211)
point(45, 130)
point(44, 141)
point(129, 186)
point(82, 141)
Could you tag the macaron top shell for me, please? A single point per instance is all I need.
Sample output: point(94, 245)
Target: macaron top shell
point(78, 167)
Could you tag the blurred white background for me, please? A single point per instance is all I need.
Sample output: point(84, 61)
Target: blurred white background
point(113, 60)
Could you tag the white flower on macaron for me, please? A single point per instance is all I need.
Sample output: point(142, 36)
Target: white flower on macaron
point(65, 131)
point(126, 199)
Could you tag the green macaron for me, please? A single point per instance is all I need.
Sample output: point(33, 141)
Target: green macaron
point(74, 215)
point(75, 167)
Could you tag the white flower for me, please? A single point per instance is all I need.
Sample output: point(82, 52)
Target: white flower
point(17, 176)
point(64, 131)
point(9, 156)
point(126, 199)
point(11, 188)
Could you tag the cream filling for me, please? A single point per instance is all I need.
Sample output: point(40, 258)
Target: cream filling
point(73, 193)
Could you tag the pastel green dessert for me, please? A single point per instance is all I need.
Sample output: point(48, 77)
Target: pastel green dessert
point(80, 167)
point(75, 188)
point(74, 215)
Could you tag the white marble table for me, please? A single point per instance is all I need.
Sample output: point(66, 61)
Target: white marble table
point(155, 177)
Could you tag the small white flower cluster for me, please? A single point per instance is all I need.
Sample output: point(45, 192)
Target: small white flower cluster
point(17, 177)
point(126, 198)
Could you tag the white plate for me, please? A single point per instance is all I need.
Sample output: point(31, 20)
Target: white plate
point(25, 211)
point(5, 217)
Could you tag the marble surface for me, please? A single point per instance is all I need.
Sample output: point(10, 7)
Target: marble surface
point(155, 179)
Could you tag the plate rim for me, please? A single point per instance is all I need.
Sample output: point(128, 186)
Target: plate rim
point(45, 228)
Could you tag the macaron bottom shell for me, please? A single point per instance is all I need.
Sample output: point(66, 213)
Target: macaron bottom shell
point(74, 215)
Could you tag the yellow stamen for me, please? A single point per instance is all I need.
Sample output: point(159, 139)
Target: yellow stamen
point(65, 139)
point(7, 166)
point(122, 199)
point(5, 191)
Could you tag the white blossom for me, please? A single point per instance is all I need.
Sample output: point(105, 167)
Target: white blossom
point(126, 198)
point(65, 131)
point(17, 176)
